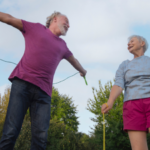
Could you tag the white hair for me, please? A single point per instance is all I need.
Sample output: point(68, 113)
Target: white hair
point(140, 38)
point(51, 17)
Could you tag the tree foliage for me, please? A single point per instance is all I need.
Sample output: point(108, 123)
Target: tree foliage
point(60, 138)
point(114, 119)
point(3, 108)
point(63, 109)
point(116, 138)
point(62, 133)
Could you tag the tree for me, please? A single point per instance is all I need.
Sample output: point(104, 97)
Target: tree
point(63, 109)
point(3, 108)
point(63, 124)
point(23, 141)
point(116, 138)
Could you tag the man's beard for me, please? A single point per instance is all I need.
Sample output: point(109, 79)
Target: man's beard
point(62, 29)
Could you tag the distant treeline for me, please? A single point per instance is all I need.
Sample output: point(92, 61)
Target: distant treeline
point(63, 131)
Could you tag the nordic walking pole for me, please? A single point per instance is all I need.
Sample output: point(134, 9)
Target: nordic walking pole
point(85, 80)
point(103, 131)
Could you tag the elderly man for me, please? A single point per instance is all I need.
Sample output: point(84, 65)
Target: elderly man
point(33, 77)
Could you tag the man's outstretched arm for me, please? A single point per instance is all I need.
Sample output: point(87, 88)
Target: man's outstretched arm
point(74, 62)
point(10, 20)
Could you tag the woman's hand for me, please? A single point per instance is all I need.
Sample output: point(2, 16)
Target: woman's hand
point(106, 107)
point(115, 92)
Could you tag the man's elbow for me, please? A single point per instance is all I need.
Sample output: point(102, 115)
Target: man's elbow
point(71, 59)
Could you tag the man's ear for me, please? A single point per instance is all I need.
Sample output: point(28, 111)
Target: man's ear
point(55, 19)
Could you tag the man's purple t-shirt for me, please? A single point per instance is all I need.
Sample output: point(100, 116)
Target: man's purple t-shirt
point(43, 52)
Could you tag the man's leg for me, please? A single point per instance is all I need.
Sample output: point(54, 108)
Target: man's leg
point(40, 118)
point(138, 140)
point(17, 107)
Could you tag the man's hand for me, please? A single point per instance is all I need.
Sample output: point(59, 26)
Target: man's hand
point(74, 62)
point(8, 19)
point(83, 74)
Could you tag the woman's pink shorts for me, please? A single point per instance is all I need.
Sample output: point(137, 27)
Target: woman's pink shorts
point(136, 114)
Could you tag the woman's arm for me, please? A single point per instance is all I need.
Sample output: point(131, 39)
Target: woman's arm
point(115, 92)
point(116, 89)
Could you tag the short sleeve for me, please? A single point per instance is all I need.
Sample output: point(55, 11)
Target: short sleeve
point(27, 26)
point(68, 53)
point(119, 78)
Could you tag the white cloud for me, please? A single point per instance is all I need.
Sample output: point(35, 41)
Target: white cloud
point(97, 37)
point(2, 89)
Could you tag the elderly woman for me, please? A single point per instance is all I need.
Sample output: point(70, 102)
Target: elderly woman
point(134, 77)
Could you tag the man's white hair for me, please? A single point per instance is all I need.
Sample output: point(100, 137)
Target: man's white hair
point(51, 17)
point(140, 38)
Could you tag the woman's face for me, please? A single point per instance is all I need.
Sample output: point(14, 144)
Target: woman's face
point(135, 45)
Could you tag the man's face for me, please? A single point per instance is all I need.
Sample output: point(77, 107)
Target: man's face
point(63, 24)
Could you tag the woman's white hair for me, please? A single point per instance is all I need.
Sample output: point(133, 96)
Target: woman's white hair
point(140, 38)
point(51, 17)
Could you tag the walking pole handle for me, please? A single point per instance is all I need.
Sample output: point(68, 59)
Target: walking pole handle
point(85, 80)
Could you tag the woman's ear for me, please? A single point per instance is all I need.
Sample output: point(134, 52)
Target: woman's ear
point(142, 43)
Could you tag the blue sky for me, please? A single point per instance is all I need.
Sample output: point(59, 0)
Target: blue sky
point(97, 37)
point(143, 30)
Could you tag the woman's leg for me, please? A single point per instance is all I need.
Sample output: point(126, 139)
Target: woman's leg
point(138, 140)
point(149, 130)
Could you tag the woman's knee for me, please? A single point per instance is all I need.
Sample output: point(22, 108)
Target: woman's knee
point(148, 130)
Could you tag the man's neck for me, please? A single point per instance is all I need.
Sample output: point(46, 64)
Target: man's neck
point(54, 31)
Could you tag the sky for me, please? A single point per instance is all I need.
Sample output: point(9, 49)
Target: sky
point(98, 37)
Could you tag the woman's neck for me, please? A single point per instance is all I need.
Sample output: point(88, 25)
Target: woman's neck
point(138, 53)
